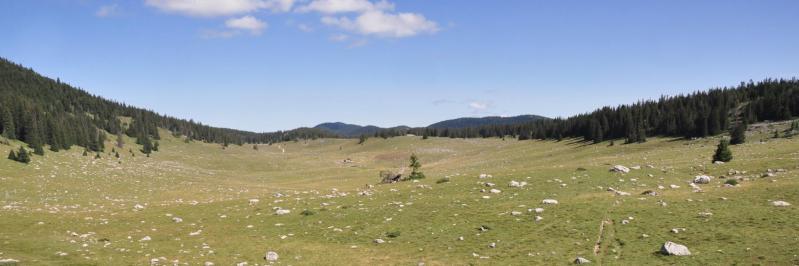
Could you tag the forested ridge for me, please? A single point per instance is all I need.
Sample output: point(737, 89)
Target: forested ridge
point(39, 110)
point(699, 114)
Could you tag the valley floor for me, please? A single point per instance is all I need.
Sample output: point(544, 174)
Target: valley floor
point(193, 203)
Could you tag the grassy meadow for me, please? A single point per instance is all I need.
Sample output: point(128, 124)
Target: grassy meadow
point(68, 209)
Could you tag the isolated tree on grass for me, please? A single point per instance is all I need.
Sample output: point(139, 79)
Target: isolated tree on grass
point(23, 156)
point(415, 166)
point(12, 156)
point(738, 135)
point(723, 152)
point(362, 139)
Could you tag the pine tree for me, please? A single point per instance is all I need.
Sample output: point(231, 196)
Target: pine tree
point(723, 153)
point(362, 138)
point(255, 147)
point(415, 166)
point(22, 156)
point(97, 156)
point(155, 146)
point(738, 134)
point(12, 156)
point(9, 131)
point(86, 152)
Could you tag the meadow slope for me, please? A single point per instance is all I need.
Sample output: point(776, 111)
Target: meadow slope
point(69, 209)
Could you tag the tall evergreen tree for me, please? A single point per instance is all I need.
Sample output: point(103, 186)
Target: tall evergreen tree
point(415, 165)
point(12, 156)
point(738, 134)
point(7, 123)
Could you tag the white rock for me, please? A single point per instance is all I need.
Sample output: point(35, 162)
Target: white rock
point(549, 201)
point(254, 201)
point(514, 213)
point(282, 211)
point(581, 260)
point(145, 238)
point(208, 263)
point(674, 249)
point(495, 191)
point(138, 207)
point(620, 169)
point(482, 176)
point(780, 203)
point(379, 241)
point(177, 219)
point(702, 179)
point(271, 256)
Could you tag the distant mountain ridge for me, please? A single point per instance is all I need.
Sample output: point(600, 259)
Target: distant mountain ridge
point(466, 122)
point(352, 130)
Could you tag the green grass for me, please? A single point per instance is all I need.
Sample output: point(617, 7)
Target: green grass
point(331, 224)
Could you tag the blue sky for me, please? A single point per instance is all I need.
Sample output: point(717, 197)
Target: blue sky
point(268, 65)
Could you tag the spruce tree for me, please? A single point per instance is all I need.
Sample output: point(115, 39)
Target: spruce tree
point(22, 156)
point(723, 153)
point(738, 135)
point(12, 156)
point(9, 131)
point(415, 166)
point(362, 138)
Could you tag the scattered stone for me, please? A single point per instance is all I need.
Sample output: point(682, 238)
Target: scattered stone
point(549, 201)
point(271, 256)
point(649, 193)
point(702, 179)
point(379, 241)
point(620, 169)
point(492, 245)
point(177, 220)
point(515, 213)
point(282, 212)
point(483, 176)
point(495, 191)
point(780, 203)
point(581, 260)
point(674, 249)
point(517, 184)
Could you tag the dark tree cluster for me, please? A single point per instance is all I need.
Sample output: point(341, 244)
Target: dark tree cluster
point(699, 114)
point(38, 110)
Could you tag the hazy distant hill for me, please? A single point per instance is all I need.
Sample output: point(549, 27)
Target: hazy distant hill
point(351, 130)
point(485, 121)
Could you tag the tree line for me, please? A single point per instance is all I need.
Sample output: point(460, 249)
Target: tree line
point(699, 114)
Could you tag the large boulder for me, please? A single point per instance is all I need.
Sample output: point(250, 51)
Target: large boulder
point(674, 249)
point(702, 179)
point(620, 169)
point(388, 177)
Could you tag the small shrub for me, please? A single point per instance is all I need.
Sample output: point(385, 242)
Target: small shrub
point(732, 182)
point(393, 234)
point(307, 213)
point(443, 180)
point(581, 169)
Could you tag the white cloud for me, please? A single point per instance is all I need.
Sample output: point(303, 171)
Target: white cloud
point(345, 6)
point(107, 10)
point(249, 23)
point(384, 24)
point(213, 8)
point(478, 106)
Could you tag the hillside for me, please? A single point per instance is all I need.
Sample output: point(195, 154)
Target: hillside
point(351, 130)
point(195, 203)
point(40, 110)
point(467, 122)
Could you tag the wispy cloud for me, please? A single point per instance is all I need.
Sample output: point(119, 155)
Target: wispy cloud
point(248, 23)
point(216, 8)
point(107, 11)
point(478, 106)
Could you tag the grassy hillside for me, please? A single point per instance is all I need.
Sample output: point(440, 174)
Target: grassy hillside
point(67, 209)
